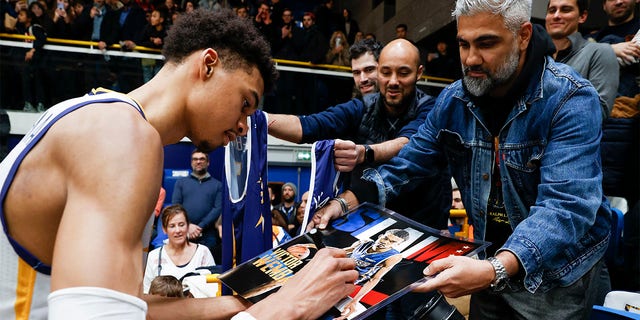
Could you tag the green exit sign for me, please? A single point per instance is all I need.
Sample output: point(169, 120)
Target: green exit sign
point(303, 155)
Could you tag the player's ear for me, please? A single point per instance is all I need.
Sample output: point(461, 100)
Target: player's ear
point(210, 61)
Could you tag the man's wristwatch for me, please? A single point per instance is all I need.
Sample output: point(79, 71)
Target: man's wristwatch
point(368, 154)
point(500, 282)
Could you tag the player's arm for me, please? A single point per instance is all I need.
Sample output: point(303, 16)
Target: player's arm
point(286, 127)
point(225, 307)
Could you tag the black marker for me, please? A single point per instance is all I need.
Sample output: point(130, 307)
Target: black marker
point(316, 236)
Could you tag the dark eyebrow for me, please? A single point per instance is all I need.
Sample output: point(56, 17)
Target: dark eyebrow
point(481, 38)
point(256, 98)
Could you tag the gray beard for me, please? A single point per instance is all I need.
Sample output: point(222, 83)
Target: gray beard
point(479, 87)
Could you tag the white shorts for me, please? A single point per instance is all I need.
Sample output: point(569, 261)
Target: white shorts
point(94, 303)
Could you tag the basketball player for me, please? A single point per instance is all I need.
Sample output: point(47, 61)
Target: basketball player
point(76, 197)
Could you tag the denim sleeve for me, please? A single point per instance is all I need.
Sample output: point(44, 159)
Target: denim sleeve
point(340, 121)
point(417, 160)
point(412, 127)
point(569, 191)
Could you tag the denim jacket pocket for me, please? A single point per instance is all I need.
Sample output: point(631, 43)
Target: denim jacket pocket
point(523, 167)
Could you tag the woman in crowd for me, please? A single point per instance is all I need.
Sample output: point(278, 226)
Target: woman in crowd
point(338, 53)
point(178, 256)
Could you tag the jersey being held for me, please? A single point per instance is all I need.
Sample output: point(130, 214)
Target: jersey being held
point(246, 214)
point(25, 280)
point(323, 185)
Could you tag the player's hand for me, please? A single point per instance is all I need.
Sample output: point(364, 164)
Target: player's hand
point(457, 276)
point(324, 281)
point(345, 155)
point(324, 215)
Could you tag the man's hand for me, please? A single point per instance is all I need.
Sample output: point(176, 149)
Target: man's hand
point(456, 276)
point(194, 231)
point(332, 210)
point(324, 281)
point(628, 51)
point(345, 155)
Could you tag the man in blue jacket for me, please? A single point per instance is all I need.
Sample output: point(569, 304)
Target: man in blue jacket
point(201, 195)
point(521, 135)
point(380, 124)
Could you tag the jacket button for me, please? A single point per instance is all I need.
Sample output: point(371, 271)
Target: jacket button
point(485, 176)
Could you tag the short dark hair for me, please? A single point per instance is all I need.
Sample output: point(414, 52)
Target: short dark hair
point(363, 46)
point(583, 5)
point(196, 150)
point(400, 233)
point(238, 42)
point(403, 26)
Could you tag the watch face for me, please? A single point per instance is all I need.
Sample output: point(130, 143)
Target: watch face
point(368, 154)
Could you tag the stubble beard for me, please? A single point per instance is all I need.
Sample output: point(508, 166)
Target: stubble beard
point(481, 86)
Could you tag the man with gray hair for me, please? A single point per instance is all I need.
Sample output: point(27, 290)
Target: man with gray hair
point(520, 134)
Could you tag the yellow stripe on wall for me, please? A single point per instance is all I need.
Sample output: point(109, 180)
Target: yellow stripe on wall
point(24, 290)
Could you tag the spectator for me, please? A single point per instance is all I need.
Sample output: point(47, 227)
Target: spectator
point(63, 16)
point(212, 5)
point(201, 195)
point(364, 66)
point(596, 62)
point(153, 37)
point(166, 286)
point(285, 211)
point(242, 12)
point(358, 37)
point(442, 64)
point(338, 53)
point(621, 27)
point(123, 26)
point(312, 93)
point(40, 15)
point(277, 9)
point(401, 31)
point(285, 46)
point(189, 6)
point(508, 147)
point(266, 26)
point(302, 206)
point(178, 256)
point(349, 26)
point(370, 35)
point(34, 60)
point(381, 124)
point(326, 18)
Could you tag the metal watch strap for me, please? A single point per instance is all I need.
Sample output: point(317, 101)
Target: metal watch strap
point(500, 281)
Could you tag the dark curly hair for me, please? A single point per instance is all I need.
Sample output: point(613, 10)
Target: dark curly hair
point(363, 46)
point(238, 43)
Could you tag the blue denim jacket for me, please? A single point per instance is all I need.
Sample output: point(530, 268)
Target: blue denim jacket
point(550, 171)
